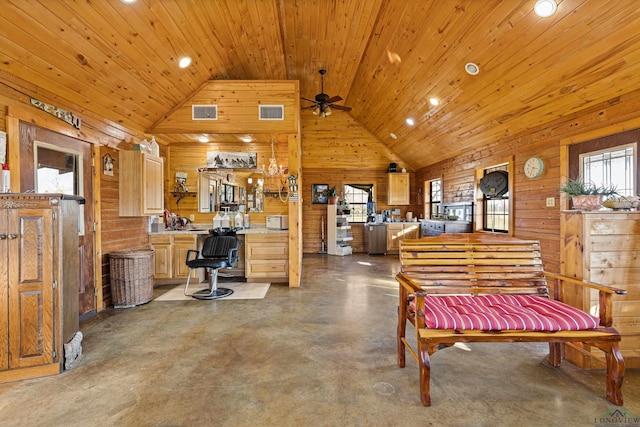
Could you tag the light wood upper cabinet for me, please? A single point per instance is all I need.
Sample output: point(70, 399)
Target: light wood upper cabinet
point(141, 184)
point(398, 189)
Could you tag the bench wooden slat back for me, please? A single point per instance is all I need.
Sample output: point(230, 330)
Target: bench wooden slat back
point(474, 264)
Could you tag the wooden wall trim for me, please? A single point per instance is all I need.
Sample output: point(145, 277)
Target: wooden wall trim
point(13, 152)
point(601, 132)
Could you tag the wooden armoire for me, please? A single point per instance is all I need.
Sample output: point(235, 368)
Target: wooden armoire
point(604, 247)
point(39, 274)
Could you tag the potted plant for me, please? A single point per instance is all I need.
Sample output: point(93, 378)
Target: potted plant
point(586, 195)
point(332, 195)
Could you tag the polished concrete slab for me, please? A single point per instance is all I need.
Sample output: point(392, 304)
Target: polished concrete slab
point(324, 354)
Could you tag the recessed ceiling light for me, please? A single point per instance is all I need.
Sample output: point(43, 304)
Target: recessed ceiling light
point(434, 101)
point(545, 8)
point(410, 121)
point(246, 139)
point(471, 68)
point(128, 1)
point(203, 138)
point(393, 135)
point(184, 62)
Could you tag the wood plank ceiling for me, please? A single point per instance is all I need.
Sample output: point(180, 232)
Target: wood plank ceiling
point(120, 61)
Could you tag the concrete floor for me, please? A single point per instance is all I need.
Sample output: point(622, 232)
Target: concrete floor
point(324, 354)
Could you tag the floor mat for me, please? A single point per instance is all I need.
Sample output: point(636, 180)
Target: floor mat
point(241, 290)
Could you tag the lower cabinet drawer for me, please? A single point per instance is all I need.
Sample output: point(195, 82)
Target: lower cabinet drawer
point(262, 269)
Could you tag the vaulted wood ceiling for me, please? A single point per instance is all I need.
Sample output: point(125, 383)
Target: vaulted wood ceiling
point(120, 61)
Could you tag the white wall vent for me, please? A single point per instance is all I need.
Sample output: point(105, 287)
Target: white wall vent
point(271, 112)
point(204, 112)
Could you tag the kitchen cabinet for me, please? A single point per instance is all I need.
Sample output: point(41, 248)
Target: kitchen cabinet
point(141, 179)
point(603, 247)
point(338, 235)
point(267, 256)
point(39, 276)
point(398, 189)
point(400, 231)
point(170, 255)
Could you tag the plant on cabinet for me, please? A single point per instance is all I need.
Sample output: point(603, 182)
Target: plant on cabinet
point(586, 195)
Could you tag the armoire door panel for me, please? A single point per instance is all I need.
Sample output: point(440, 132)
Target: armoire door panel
point(30, 282)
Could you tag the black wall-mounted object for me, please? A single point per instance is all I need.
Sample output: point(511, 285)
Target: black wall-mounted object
point(495, 184)
point(393, 167)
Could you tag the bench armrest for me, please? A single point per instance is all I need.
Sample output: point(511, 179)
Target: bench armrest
point(605, 292)
point(602, 288)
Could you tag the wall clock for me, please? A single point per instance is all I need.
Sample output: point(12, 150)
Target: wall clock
point(533, 167)
point(495, 184)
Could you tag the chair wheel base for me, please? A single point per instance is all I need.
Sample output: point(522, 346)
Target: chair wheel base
point(217, 293)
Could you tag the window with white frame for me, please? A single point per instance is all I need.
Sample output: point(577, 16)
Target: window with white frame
point(611, 167)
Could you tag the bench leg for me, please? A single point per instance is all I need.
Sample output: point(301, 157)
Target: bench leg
point(425, 375)
point(402, 329)
point(555, 353)
point(615, 374)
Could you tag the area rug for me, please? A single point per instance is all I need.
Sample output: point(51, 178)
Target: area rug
point(241, 290)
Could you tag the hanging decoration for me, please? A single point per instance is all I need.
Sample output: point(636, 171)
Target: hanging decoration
point(274, 170)
point(64, 115)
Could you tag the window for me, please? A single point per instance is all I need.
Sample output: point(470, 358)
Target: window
point(358, 196)
point(495, 216)
point(435, 196)
point(614, 166)
point(59, 171)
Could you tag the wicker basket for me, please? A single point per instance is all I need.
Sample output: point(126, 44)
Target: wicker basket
point(131, 277)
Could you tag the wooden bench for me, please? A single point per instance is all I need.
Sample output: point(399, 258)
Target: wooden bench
point(485, 267)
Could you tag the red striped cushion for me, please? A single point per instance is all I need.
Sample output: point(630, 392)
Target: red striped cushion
point(504, 312)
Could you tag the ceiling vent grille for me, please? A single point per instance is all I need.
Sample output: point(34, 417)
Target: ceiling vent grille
point(204, 112)
point(271, 112)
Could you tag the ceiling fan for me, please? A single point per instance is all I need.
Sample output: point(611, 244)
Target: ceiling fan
point(323, 104)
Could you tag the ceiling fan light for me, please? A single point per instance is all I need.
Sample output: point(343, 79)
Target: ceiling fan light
point(327, 111)
point(316, 111)
point(545, 8)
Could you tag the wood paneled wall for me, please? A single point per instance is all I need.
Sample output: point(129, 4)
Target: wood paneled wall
point(238, 104)
point(337, 150)
point(533, 219)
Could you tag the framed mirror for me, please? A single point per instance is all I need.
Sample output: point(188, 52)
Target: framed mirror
point(238, 189)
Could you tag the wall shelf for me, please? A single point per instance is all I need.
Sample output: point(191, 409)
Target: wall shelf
point(182, 194)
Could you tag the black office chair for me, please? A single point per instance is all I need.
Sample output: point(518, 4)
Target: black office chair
point(217, 252)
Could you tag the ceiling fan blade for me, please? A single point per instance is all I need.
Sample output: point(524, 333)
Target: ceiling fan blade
point(307, 99)
point(308, 108)
point(334, 99)
point(340, 107)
